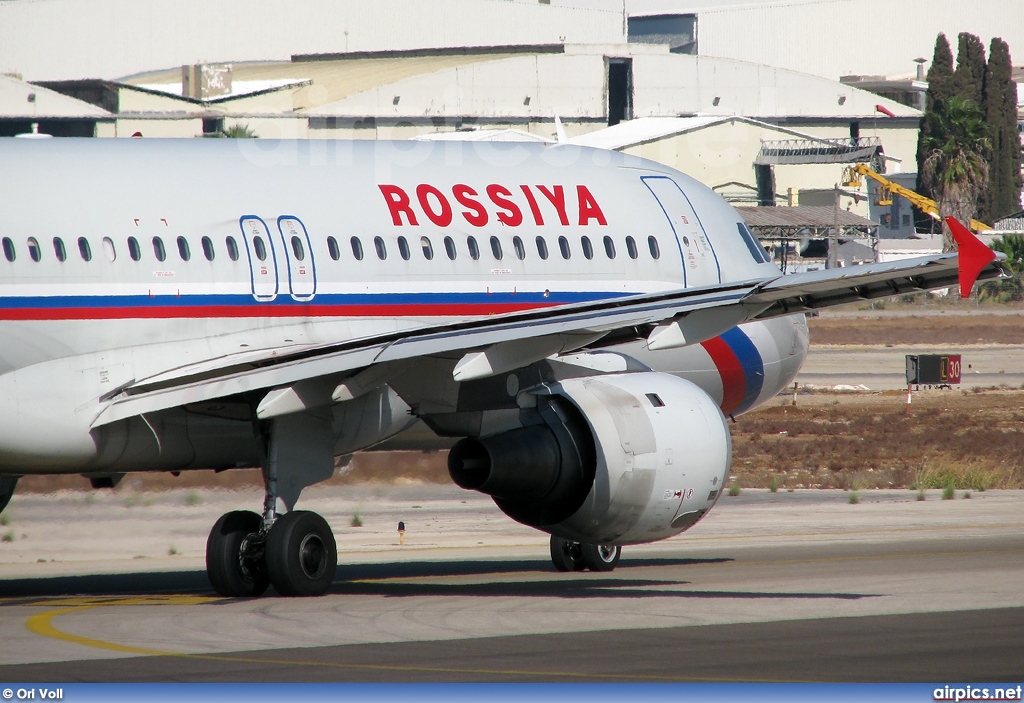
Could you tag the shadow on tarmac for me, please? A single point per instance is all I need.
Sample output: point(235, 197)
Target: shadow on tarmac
point(390, 580)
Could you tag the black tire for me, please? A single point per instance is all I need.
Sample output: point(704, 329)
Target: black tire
point(7, 486)
point(302, 556)
point(599, 557)
point(565, 555)
point(231, 574)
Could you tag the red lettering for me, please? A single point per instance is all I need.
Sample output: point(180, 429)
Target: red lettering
point(556, 198)
point(443, 218)
point(499, 195)
point(589, 209)
point(398, 203)
point(476, 215)
point(533, 205)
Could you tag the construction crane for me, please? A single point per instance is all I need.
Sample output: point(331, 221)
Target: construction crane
point(886, 189)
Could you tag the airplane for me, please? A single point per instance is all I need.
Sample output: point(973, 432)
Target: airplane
point(582, 322)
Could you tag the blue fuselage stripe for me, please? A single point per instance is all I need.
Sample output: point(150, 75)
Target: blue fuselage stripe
point(752, 363)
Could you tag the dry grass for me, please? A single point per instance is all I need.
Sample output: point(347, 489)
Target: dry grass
point(965, 440)
point(946, 322)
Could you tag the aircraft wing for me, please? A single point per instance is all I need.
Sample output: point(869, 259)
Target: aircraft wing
point(498, 343)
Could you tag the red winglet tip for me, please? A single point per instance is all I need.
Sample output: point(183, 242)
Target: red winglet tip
point(972, 253)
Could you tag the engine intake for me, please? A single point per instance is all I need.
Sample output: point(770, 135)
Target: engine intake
point(538, 475)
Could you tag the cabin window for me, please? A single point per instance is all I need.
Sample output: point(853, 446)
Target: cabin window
point(427, 247)
point(449, 247)
point(517, 243)
point(183, 251)
point(84, 249)
point(609, 247)
point(357, 248)
point(332, 248)
point(35, 252)
point(9, 249)
point(134, 250)
point(474, 249)
point(403, 248)
point(652, 244)
point(381, 249)
point(259, 246)
point(542, 248)
point(58, 249)
point(108, 249)
point(631, 248)
point(496, 248)
point(588, 248)
point(563, 246)
point(298, 249)
point(158, 249)
point(208, 248)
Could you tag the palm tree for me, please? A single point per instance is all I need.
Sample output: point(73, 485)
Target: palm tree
point(955, 167)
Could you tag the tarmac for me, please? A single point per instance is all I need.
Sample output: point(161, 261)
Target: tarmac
point(801, 586)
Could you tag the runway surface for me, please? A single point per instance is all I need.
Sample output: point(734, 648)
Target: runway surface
point(778, 587)
point(884, 368)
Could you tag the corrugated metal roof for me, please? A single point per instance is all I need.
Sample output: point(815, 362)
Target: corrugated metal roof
point(21, 100)
point(58, 39)
point(833, 38)
point(802, 216)
point(645, 129)
point(484, 135)
point(239, 88)
point(331, 80)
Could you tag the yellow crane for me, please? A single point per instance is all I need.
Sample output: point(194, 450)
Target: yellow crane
point(852, 179)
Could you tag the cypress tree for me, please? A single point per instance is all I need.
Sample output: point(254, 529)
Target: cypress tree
point(940, 87)
point(1000, 107)
point(969, 77)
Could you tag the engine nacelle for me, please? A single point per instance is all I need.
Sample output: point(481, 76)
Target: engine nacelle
point(617, 459)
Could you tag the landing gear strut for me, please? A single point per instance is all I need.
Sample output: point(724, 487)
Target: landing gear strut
point(577, 556)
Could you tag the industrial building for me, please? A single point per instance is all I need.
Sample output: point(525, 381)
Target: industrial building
point(747, 99)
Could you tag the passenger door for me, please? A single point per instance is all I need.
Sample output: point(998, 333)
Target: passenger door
point(700, 263)
point(259, 247)
point(299, 257)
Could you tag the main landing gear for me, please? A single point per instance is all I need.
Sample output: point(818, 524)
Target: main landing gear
point(577, 556)
point(295, 553)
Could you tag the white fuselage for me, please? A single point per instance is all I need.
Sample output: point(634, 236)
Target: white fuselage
point(123, 260)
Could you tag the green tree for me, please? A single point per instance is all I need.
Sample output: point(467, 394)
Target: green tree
point(1011, 290)
point(999, 103)
point(940, 87)
point(235, 131)
point(955, 168)
point(969, 77)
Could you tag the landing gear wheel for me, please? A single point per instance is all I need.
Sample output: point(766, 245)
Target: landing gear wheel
point(235, 568)
point(599, 557)
point(565, 555)
point(302, 555)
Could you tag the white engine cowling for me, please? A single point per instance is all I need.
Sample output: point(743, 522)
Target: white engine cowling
point(619, 459)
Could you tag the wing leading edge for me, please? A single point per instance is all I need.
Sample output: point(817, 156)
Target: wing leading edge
point(491, 344)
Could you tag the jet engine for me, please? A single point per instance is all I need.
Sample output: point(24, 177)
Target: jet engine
point(615, 459)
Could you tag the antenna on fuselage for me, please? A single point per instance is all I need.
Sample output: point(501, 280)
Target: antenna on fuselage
point(560, 134)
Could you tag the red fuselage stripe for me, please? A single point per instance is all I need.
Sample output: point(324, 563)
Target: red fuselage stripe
point(734, 380)
point(256, 311)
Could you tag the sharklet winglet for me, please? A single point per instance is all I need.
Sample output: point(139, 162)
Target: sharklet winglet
point(973, 256)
